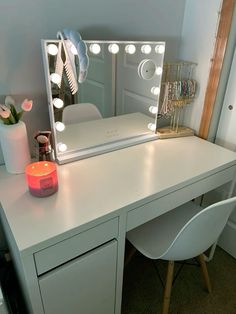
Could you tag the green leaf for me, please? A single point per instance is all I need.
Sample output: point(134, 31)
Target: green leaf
point(14, 112)
point(5, 121)
point(12, 119)
point(20, 114)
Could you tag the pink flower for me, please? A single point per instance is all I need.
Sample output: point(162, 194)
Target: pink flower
point(27, 105)
point(9, 113)
point(4, 112)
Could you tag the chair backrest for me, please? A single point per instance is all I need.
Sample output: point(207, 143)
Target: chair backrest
point(80, 113)
point(201, 231)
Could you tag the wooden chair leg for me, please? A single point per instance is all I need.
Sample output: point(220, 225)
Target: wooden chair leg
point(168, 286)
point(205, 274)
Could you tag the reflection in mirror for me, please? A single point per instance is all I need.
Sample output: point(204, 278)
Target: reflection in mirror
point(114, 107)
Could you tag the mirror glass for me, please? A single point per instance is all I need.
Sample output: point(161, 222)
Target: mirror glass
point(115, 106)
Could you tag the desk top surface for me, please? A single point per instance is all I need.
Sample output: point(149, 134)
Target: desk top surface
point(98, 188)
point(103, 131)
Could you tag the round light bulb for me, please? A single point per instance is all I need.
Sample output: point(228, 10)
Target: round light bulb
point(58, 103)
point(152, 126)
point(155, 90)
point(95, 48)
point(55, 78)
point(52, 49)
point(61, 147)
point(153, 109)
point(73, 50)
point(113, 48)
point(60, 127)
point(159, 70)
point(160, 49)
point(146, 49)
point(130, 49)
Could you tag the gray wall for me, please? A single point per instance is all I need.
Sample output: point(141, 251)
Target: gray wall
point(24, 23)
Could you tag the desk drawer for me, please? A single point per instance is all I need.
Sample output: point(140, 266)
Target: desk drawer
point(159, 206)
point(87, 284)
point(68, 249)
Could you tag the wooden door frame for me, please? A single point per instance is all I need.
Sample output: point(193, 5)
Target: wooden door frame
point(225, 20)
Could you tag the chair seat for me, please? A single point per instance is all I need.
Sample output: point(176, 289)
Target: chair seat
point(154, 237)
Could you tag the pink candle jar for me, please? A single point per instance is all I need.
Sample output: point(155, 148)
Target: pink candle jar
point(41, 177)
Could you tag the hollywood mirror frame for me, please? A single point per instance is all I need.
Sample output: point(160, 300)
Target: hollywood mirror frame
point(134, 87)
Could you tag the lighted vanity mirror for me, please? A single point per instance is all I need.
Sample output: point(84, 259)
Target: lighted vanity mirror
point(114, 107)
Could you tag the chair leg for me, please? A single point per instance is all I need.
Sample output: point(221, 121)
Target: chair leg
point(168, 286)
point(205, 274)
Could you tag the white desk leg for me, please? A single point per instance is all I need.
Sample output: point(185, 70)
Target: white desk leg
point(230, 194)
point(120, 262)
point(211, 254)
point(232, 187)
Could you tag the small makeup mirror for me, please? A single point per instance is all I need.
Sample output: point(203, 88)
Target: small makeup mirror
point(114, 104)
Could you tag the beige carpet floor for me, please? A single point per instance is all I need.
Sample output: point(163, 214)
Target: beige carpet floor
point(142, 289)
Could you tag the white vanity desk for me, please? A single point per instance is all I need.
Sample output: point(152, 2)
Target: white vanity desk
point(73, 242)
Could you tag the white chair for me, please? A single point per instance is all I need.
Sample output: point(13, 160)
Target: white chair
point(183, 233)
point(80, 113)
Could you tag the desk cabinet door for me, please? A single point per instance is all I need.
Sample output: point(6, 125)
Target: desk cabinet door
point(85, 285)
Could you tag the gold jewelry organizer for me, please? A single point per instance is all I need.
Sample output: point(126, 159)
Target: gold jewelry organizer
point(178, 90)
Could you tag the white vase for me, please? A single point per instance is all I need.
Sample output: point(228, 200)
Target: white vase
point(15, 148)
